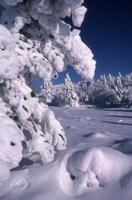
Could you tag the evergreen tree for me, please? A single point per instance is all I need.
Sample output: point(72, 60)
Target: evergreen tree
point(47, 92)
point(84, 90)
point(35, 41)
point(104, 92)
point(68, 96)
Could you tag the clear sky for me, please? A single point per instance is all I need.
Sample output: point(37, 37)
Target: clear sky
point(107, 30)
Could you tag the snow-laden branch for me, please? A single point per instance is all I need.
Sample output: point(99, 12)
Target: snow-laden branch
point(44, 42)
point(36, 40)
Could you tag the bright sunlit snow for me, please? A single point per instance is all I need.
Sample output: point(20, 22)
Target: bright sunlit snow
point(58, 142)
point(96, 165)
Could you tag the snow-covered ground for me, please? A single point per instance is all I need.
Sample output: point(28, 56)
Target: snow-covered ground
point(97, 164)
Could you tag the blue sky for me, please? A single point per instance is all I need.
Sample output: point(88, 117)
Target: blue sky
point(107, 30)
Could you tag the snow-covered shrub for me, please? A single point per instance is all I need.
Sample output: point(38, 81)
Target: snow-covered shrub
point(36, 41)
point(68, 96)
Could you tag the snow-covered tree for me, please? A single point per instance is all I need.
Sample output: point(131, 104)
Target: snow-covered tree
point(84, 90)
point(47, 92)
point(68, 96)
point(127, 90)
point(104, 92)
point(127, 98)
point(57, 89)
point(111, 91)
point(35, 41)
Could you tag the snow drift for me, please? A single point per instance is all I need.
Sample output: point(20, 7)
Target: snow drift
point(86, 170)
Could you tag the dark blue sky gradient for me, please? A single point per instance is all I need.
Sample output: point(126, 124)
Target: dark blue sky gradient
point(107, 30)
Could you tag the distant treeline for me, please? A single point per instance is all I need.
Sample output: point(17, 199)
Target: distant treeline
point(106, 91)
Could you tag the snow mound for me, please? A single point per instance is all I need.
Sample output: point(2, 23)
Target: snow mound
point(103, 138)
point(99, 135)
point(86, 170)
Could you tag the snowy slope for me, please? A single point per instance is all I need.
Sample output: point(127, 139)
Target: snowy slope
point(97, 164)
